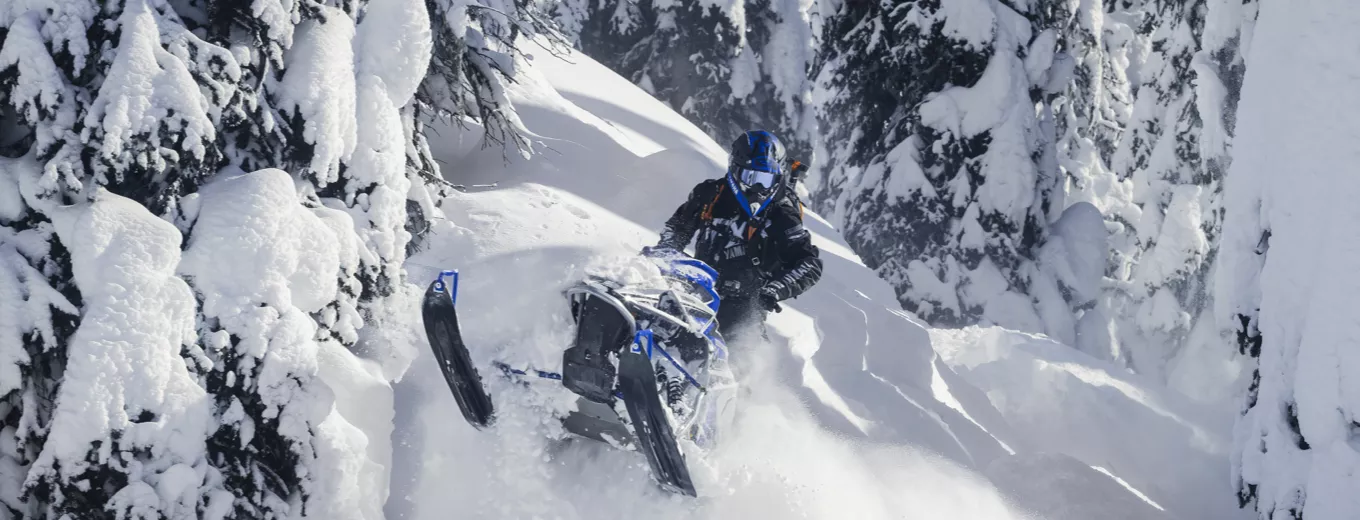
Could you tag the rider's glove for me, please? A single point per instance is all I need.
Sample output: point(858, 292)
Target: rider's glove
point(769, 296)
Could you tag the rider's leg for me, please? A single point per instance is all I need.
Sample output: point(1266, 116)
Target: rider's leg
point(740, 320)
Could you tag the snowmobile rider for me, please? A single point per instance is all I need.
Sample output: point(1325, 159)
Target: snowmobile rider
point(750, 229)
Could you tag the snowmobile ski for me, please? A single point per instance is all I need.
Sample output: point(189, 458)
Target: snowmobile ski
point(654, 434)
point(446, 340)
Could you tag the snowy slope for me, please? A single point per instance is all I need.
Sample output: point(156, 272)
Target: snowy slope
point(1057, 400)
point(848, 412)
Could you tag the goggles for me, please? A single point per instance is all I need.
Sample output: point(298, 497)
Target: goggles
point(757, 178)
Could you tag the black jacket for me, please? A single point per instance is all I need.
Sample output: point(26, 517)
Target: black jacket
point(776, 249)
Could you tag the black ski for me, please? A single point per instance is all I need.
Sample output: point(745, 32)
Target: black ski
point(637, 382)
point(441, 326)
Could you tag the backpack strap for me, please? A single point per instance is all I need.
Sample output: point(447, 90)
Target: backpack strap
point(707, 214)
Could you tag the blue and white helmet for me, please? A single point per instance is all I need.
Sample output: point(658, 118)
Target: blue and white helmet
point(757, 164)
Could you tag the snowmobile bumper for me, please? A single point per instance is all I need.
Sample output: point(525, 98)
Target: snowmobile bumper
point(598, 421)
point(604, 326)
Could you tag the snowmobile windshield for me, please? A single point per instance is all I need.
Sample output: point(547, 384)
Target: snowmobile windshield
point(696, 279)
point(698, 291)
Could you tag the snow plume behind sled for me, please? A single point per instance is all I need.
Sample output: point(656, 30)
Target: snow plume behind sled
point(670, 387)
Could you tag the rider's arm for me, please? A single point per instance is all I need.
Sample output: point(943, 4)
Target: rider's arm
point(801, 262)
point(681, 226)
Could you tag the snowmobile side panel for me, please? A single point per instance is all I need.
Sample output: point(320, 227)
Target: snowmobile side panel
point(446, 341)
point(655, 437)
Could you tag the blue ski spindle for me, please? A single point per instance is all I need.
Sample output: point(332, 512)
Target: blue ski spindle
point(651, 342)
point(440, 286)
point(637, 342)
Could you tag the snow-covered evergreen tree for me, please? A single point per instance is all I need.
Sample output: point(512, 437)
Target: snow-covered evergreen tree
point(728, 65)
point(473, 58)
point(197, 199)
point(934, 163)
point(108, 98)
point(1285, 276)
point(1174, 153)
point(38, 314)
point(1084, 109)
point(1106, 82)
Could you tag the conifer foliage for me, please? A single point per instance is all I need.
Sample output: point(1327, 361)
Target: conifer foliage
point(728, 65)
point(933, 158)
point(197, 198)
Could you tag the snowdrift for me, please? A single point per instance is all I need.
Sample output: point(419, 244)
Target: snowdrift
point(1063, 406)
point(847, 412)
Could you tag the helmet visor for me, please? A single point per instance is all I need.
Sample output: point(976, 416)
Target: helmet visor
point(757, 178)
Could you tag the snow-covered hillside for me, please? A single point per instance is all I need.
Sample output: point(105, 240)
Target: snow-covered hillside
point(848, 412)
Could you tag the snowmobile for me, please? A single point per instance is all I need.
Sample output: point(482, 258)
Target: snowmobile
point(647, 363)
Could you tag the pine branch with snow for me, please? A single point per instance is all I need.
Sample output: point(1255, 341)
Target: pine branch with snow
point(38, 314)
point(730, 66)
point(1172, 156)
point(932, 142)
point(473, 61)
point(126, 437)
point(150, 114)
point(143, 127)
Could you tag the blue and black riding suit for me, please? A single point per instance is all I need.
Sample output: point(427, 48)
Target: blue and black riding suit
point(760, 259)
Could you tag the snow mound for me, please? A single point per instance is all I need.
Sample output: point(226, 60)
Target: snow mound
point(1068, 489)
point(1076, 250)
point(252, 227)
